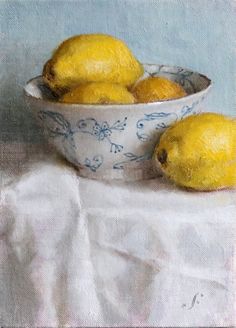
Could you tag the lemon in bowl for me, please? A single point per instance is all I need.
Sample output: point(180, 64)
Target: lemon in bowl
point(91, 58)
point(114, 141)
point(98, 93)
point(157, 88)
point(90, 102)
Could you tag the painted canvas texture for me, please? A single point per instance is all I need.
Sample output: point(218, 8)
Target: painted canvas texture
point(117, 189)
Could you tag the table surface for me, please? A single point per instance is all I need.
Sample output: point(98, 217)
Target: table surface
point(78, 252)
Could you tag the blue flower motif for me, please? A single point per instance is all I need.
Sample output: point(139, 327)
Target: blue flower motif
point(94, 163)
point(102, 131)
point(57, 126)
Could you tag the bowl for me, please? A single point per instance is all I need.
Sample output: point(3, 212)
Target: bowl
point(114, 141)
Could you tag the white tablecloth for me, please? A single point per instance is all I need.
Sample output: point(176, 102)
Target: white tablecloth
point(78, 252)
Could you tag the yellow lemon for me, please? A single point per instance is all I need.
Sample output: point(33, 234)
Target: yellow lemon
point(200, 152)
point(157, 88)
point(91, 58)
point(98, 93)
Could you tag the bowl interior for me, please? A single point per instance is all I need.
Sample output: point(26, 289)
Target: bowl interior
point(191, 81)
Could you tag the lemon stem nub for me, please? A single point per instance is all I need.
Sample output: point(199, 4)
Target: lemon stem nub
point(162, 156)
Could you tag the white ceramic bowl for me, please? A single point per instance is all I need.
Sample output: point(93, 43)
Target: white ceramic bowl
point(114, 141)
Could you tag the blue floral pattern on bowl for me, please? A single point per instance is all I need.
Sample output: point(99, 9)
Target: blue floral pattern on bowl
point(179, 75)
point(94, 163)
point(161, 120)
point(131, 158)
point(112, 141)
point(57, 126)
point(102, 131)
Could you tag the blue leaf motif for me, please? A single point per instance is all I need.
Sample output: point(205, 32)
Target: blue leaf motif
point(132, 158)
point(161, 125)
point(142, 136)
point(118, 125)
point(154, 116)
point(187, 110)
point(130, 155)
point(57, 126)
point(164, 121)
point(115, 148)
point(55, 123)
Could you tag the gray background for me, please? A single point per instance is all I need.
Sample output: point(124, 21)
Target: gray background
point(197, 34)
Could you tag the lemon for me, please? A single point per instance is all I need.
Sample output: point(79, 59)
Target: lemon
point(200, 152)
point(91, 58)
point(157, 88)
point(98, 93)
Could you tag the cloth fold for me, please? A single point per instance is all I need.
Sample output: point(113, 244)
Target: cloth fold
point(76, 252)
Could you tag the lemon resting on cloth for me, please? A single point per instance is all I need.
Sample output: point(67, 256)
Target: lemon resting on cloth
point(199, 152)
point(91, 58)
point(98, 93)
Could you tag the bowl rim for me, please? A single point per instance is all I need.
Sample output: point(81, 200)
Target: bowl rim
point(110, 106)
